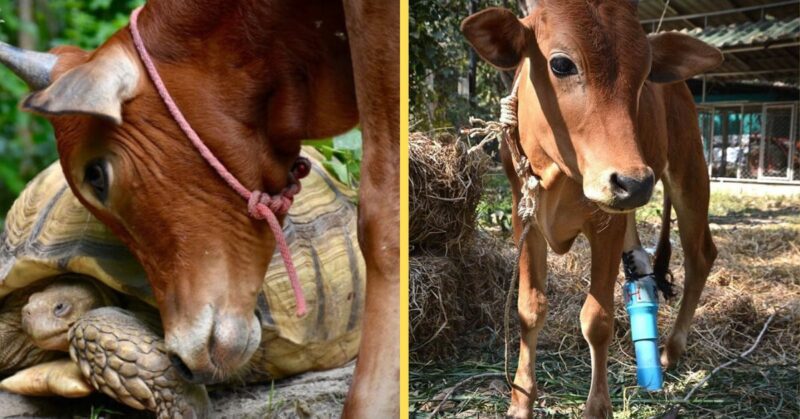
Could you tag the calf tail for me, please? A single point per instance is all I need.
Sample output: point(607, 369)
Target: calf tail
point(663, 277)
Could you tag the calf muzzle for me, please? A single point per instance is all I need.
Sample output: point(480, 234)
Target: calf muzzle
point(213, 347)
point(630, 192)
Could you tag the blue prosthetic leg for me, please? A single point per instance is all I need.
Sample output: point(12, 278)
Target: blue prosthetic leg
point(641, 302)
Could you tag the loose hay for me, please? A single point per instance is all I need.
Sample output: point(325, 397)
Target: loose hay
point(444, 189)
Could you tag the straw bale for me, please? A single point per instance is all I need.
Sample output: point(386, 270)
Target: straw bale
point(444, 189)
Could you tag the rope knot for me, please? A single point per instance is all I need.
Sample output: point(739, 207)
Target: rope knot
point(278, 204)
point(252, 204)
point(523, 167)
point(528, 202)
point(508, 110)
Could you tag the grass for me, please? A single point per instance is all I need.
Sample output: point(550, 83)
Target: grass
point(102, 412)
point(272, 406)
point(757, 274)
point(563, 385)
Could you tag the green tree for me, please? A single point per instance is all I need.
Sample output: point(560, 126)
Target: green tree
point(439, 61)
point(26, 142)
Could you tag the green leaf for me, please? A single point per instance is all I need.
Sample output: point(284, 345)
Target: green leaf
point(11, 179)
point(355, 172)
point(326, 151)
point(316, 142)
point(338, 169)
point(351, 143)
point(322, 145)
point(351, 140)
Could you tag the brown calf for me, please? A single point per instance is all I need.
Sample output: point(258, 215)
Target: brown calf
point(603, 114)
point(253, 78)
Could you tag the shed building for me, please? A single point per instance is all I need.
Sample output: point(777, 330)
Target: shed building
point(748, 107)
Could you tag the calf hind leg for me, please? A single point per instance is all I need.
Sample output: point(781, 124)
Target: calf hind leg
point(690, 196)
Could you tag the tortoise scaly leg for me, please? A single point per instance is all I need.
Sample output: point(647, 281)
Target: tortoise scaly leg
point(125, 359)
point(54, 378)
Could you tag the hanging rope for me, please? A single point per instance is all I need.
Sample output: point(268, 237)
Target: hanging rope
point(663, 12)
point(526, 208)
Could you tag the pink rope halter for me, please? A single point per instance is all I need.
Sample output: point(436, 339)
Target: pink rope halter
point(260, 205)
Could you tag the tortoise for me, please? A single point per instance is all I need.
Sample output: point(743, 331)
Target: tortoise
point(118, 351)
point(51, 239)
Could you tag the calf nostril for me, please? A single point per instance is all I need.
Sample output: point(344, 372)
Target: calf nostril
point(618, 182)
point(181, 367)
point(631, 192)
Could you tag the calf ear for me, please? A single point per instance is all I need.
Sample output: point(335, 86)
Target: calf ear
point(677, 57)
point(97, 87)
point(497, 35)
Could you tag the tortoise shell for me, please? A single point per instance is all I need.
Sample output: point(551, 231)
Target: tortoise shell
point(48, 233)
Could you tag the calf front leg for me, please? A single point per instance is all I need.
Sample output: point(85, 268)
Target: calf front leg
point(531, 303)
point(532, 308)
point(597, 314)
point(641, 260)
point(373, 30)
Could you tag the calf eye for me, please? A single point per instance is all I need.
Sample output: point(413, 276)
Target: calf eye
point(61, 309)
point(96, 176)
point(562, 66)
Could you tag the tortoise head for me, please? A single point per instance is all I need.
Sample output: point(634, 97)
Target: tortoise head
point(51, 312)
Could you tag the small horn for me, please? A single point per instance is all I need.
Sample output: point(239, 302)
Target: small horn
point(31, 66)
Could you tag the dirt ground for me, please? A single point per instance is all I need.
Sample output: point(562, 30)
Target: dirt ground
point(755, 279)
point(310, 395)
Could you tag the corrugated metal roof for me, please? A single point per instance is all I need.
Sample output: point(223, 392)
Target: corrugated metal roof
point(742, 29)
point(748, 33)
point(652, 9)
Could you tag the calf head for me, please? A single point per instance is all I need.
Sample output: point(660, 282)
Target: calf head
point(584, 64)
point(127, 161)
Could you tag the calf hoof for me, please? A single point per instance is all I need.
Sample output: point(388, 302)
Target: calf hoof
point(598, 408)
point(522, 401)
point(124, 358)
point(672, 351)
point(519, 412)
